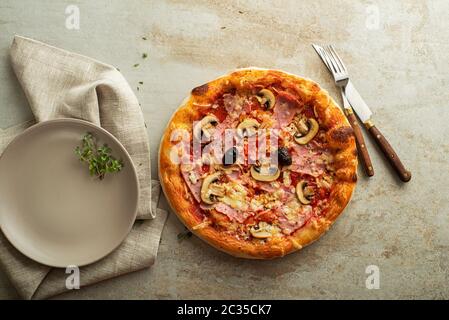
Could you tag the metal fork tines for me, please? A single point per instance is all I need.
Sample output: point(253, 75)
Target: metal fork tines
point(334, 64)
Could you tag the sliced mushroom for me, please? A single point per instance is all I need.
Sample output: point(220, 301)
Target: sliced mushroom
point(262, 231)
point(266, 98)
point(260, 234)
point(204, 127)
point(302, 126)
point(303, 192)
point(303, 136)
point(248, 126)
point(265, 172)
point(210, 191)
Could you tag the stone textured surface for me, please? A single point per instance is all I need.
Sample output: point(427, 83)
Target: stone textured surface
point(401, 70)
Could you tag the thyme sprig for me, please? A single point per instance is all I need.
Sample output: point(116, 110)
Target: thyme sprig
point(99, 159)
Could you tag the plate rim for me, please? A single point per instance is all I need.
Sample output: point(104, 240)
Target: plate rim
point(9, 237)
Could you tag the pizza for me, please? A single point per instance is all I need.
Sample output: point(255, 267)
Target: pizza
point(258, 163)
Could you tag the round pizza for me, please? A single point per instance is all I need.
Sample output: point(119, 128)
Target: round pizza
point(258, 163)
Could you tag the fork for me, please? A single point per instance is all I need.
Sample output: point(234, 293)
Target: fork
point(341, 78)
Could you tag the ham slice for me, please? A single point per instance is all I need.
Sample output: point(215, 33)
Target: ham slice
point(195, 188)
point(230, 212)
point(234, 176)
point(288, 194)
point(288, 226)
point(247, 108)
point(266, 186)
point(227, 123)
point(308, 161)
point(285, 109)
point(205, 206)
point(234, 104)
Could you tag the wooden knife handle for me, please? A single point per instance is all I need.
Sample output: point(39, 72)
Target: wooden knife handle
point(360, 141)
point(389, 152)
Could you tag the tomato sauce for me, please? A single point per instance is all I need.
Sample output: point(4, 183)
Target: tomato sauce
point(219, 112)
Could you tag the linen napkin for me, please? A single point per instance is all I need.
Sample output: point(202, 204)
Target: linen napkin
point(61, 84)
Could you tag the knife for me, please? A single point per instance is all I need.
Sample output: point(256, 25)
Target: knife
point(364, 113)
point(360, 141)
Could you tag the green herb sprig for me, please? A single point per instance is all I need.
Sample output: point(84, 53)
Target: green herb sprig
point(184, 235)
point(99, 159)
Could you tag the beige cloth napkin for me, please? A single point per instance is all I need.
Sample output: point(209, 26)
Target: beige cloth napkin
point(61, 84)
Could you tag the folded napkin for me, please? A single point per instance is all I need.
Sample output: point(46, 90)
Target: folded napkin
point(61, 84)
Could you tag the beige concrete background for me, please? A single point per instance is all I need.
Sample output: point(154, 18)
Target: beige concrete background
point(400, 66)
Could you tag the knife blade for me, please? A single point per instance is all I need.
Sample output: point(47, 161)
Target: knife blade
point(357, 103)
point(365, 114)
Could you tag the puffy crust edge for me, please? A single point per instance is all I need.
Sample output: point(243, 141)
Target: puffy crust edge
point(340, 138)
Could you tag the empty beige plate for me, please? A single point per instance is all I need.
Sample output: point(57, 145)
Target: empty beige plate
point(51, 209)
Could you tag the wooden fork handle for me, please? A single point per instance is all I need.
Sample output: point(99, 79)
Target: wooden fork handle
point(389, 152)
point(360, 141)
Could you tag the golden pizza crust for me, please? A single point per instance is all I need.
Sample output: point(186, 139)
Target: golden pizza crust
point(341, 142)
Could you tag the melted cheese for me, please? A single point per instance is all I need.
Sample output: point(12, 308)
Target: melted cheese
point(193, 178)
point(295, 243)
point(287, 179)
point(325, 182)
point(201, 225)
point(287, 135)
point(256, 204)
point(268, 200)
point(235, 196)
point(291, 210)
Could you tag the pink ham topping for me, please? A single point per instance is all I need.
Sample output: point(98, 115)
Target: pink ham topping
point(285, 109)
point(234, 176)
point(230, 212)
point(227, 123)
point(289, 226)
point(195, 188)
point(266, 186)
point(234, 104)
point(308, 161)
point(287, 194)
point(205, 206)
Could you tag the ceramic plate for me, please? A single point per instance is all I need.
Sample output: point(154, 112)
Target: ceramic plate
point(51, 209)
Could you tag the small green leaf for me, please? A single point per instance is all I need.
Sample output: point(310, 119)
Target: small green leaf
point(99, 159)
